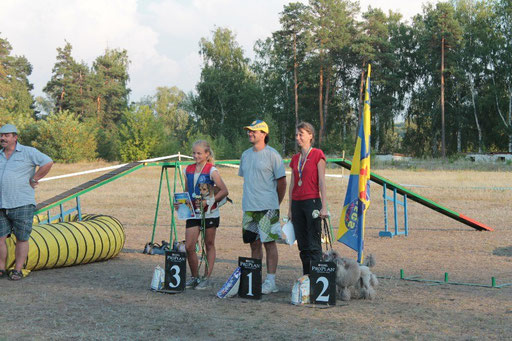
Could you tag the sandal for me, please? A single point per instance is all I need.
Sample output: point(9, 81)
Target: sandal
point(15, 275)
point(3, 273)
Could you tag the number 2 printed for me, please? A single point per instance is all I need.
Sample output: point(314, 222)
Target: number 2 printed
point(325, 285)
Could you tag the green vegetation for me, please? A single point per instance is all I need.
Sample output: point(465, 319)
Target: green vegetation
point(447, 74)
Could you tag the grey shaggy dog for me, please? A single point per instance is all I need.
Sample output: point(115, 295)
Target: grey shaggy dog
point(352, 279)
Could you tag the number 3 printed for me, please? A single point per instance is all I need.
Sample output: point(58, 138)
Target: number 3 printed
point(176, 268)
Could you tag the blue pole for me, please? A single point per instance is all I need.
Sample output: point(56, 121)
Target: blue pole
point(385, 209)
point(406, 226)
point(394, 212)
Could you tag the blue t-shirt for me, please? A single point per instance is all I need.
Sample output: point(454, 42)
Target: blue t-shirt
point(260, 171)
point(15, 174)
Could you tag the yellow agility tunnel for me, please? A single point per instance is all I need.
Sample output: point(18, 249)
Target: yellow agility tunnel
point(94, 238)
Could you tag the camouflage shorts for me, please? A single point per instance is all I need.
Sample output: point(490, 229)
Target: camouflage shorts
point(262, 225)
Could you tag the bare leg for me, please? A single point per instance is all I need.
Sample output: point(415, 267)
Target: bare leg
point(256, 250)
point(3, 252)
point(209, 243)
point(272, 257)
point(21, 253)
point(191, 236)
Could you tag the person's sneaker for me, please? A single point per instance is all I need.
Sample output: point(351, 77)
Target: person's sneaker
point(268, 287)
point(203, 284)
point(192, 282)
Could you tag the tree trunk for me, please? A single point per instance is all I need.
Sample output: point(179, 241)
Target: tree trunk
point(295, 80)
point(459, 141)
point(320, 105)
point(507, 124)
point(326, 99)
point(222, 113)
point(473, 101)
point(443, 146)
point(98, 107)
point(509, 118)
point(61, 98)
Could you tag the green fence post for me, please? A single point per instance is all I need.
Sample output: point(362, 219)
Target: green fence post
point(173, 235)
point(157, 205)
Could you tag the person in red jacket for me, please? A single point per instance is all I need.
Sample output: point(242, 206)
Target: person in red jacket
point(307, 194)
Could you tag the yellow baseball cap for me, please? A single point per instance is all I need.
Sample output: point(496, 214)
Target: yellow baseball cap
point(258, 125)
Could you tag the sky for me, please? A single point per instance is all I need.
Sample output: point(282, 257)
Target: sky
point(161, 36)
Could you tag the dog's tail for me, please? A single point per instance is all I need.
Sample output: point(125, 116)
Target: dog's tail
point(369, 261)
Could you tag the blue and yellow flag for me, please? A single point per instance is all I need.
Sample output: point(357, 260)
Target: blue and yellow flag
point(357, 200)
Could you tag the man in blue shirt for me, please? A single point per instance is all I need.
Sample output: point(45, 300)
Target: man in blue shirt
point(18, 179)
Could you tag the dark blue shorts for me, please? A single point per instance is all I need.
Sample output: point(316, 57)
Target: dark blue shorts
point(17, 220)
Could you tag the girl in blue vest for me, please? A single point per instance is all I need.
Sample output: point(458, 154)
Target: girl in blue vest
point(203, 171)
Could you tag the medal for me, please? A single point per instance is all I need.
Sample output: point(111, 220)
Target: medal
point(302, 163)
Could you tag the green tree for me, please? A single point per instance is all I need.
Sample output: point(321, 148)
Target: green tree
point(16, 101)
point(169, 108)
point(445, 32)
point(65, 138)
point(69, 86)
point(378, 46)
point(109, 85)
point(227, 94)
point(99, 93)
point(501, 67)
point(332, 29)
point(431, 69)
point(292, 38)
point(139, 133)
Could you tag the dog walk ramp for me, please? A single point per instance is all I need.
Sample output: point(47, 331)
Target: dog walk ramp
point(419, 199)
point(88, 186)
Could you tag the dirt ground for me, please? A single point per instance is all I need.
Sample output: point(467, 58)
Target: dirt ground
point(112, 300)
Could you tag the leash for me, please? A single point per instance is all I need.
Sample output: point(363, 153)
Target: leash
point(326, 229)
point(202, 232)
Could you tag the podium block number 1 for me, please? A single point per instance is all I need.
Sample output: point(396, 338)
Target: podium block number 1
point(250, 278)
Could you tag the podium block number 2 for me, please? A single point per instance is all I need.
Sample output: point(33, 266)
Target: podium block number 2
point(322, 281)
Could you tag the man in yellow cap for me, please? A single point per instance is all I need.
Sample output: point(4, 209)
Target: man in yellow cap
point(264, 188)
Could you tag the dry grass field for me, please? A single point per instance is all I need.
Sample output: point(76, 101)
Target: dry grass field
point(112, 300)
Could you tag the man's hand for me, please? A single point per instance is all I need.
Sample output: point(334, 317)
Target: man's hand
point(33, 183)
